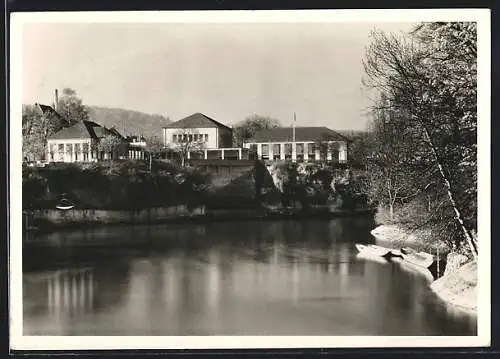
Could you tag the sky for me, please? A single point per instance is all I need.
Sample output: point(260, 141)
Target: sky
point(227, 71)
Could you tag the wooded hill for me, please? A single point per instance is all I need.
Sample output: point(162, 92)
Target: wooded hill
point(128, 122)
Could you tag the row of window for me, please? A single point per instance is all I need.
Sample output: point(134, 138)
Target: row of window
point(301, 150)
point(70, 147)
point(311, 148)
point(58, 151)
point(194, 137)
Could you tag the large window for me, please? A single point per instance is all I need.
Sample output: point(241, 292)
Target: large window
point(334, 149)
point(276, 151)
point(174, 138)
point(299, 151)
point(288, 151)
point(311, 151)
point(85, 148)
point(77, 152)
point(206, 137)
point(60, 152)
point(265, 151)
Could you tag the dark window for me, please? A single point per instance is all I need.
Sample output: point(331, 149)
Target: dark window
point(77, 151)
point(265, 151)
point(299, 151)
point(311, 148)
point(277, 151)
point(85, 148)
point(299, 148)
point(288, 151)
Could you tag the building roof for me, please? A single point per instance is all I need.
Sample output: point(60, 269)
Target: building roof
point(84, 129)
point(196, 120)
point(50, 112)
point(285, 134)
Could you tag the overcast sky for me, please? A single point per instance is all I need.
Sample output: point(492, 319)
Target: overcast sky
point(226, 71)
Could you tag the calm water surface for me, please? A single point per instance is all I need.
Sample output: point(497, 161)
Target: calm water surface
point(238, 278)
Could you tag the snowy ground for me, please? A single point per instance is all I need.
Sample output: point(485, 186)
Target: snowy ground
point(458, 287)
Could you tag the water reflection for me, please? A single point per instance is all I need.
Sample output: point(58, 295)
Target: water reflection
point(281, 278)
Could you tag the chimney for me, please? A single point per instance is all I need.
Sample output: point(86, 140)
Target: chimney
point(56, 99)
point(293, 126)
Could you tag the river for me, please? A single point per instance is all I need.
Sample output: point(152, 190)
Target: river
point(226, 278)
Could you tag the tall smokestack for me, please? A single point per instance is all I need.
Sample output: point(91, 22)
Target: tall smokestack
point(293, 126)
point(56, 99)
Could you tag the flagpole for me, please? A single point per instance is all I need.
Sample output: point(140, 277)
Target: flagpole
point(293, 126)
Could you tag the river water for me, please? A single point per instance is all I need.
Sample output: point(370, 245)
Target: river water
point(227, 278)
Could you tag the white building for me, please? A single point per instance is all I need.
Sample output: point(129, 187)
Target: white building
point(299, 144)
point(199, 128)
point(78, 143)
point(212, 139)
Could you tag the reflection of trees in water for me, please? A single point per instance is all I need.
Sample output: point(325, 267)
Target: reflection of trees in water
point(156, 278)
point(357, 229)
point(357, 267)
point(110, 284)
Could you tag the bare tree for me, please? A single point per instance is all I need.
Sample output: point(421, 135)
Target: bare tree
point(36, 128)
point(325, 144)
point(429, 80)
point(245, 129)
point(71, 107)
point(187, 140)
point(154, 147)
point(109, 144)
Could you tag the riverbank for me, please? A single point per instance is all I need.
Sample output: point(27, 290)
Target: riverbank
point(458, 285)
point(47, 220)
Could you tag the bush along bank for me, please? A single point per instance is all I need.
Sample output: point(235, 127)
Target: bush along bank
point(457, 282)
point(131, 185)
point(113, 185)
point(311, 185)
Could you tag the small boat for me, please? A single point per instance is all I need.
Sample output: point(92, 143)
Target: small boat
point(65, 204)
point(368, 257)
point(373, 249)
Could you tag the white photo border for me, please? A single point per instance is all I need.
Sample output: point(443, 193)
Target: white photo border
point(20, 342)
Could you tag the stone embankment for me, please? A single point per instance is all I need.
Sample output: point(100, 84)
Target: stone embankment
point(458, 285)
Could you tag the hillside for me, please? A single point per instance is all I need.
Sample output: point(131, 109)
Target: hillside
point(128, 122)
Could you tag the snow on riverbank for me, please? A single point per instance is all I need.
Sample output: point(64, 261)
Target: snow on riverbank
point(459, 284)
point(459, 287)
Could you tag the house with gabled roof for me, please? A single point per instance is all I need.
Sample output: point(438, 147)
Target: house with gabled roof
point(299, 144)
point(199, 128)
point(51, 113)
point(78, 143)
point(208, 138)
